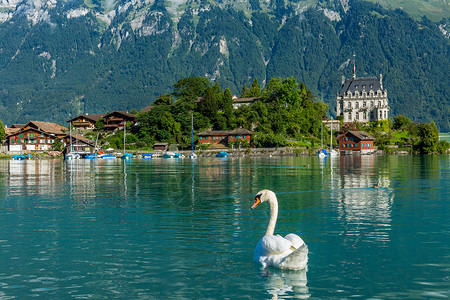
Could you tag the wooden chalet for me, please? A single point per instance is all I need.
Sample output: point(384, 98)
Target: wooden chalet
point(35, 136)
point(224, 136)
point(355, 142)
point(85, 121)
point(80, 144)
point(118, 119)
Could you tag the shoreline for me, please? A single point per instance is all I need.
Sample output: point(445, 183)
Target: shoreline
point(250, 152)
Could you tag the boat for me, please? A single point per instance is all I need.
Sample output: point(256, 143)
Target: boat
point(126, 155)
point(71, 155)
point(90, 156)
point(108, 156)
point(29, 156)
point(222, 154)
point(192, 155)
point(170, 154)
point(147, 155)
point(322, 153)
point(18, 157)
point(332, 152)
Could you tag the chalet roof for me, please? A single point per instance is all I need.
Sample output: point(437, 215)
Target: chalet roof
point(362, 135)
point(117, 112)
point(241, 131)
point(17, 125)
point(11, 130)
point(81, 138)
point(46, 127)
point(94, 117)
point(356, 84)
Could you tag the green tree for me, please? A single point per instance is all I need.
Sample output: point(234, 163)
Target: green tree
point(401, 122)
point(428, 138)
point(254, 91)
point(2, 131)
point(100, 124)
point(191, 87)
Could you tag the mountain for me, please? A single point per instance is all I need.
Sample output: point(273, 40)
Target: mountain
point(59, 59)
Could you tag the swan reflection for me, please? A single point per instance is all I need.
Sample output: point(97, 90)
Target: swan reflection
point(283, 284)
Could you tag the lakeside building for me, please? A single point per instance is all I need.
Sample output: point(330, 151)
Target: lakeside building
point(224, 136)
point(85, 121)
point(35, 136)
point(118, 119)
point(362, 100)
point(355, 142)
point(80, 144)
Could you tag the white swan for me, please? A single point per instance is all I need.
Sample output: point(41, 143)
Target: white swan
point(289, 252)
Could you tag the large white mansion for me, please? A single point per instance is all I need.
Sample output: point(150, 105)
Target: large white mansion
point(362, 100)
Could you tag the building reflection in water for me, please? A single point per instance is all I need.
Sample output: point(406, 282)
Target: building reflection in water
point(358, 203)
point(31, 177)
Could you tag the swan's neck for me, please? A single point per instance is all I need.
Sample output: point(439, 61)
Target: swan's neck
point(273, 216)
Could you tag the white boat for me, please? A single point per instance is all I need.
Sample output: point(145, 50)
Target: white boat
point(192, 155)
point(332, 152)
point(322, 153)
point(71, 155)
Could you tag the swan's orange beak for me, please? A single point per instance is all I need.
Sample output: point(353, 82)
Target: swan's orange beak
point(256, 203)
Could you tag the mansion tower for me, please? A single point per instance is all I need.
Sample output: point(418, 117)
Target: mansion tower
point(362, 100)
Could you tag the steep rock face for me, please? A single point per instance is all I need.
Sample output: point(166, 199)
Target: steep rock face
point(59, 59)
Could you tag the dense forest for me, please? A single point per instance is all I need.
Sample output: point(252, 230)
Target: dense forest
point(62, 67)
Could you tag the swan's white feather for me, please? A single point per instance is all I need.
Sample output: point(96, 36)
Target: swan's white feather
point(296, 241)
point(280, 252)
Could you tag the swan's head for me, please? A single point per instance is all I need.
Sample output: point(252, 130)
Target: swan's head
point(262, 196)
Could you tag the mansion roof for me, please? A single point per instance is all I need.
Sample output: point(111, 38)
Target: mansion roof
point(360, 84)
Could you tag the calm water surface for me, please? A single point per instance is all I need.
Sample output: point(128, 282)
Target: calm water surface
point(177, 229)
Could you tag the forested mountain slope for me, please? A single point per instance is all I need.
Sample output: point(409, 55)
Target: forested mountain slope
point(61, 59)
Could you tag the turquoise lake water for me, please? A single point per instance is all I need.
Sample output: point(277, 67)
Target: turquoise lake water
point(177, 229)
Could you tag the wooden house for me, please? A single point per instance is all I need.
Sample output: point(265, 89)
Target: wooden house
point(224, 136)
point(78, 144)
point(355, 142)
point(85, 121)
point(35, 136)
point(118, 119)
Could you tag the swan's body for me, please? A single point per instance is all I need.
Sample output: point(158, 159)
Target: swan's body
point(289, 252)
